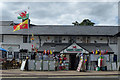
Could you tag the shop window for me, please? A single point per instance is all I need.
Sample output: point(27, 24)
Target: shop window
point(16, 55)
point(10, 56)
point(101, 38)
point(1, 38)
point(4, 54)
point(113, 40)
point(84, 39)
point(58, 39)
point(115, 58)
point(95, 41)
point(72, 39)
point(25, 39)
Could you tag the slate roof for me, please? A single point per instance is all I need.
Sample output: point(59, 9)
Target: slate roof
point(95, 46)
point(64, 30)
point(87, 46)
point(60, 30)
point(6, 23)
point(53, 46)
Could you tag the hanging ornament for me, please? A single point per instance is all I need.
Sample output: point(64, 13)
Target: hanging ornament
point(99, 52)
point(40, 54)
point(64, 58)
point(60, 62)
point(48, 52)
point(96, 52)
point(44, 52)
point(60, 59)
point(106, 51)
point(32, 38)
point(51, 52)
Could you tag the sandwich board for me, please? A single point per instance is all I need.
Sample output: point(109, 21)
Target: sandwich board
point(23, 65)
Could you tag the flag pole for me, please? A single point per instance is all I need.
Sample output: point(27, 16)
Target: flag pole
point(28, 28)
point(28, 25)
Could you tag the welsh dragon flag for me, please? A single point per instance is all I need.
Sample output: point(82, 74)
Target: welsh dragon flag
point(23, 25)
point(23, 15)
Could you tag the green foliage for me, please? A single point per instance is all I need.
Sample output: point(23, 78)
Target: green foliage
point(85, 22)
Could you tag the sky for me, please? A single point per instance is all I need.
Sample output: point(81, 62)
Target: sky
point(102, 12)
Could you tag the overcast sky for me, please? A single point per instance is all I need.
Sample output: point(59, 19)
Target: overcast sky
point(63, 13)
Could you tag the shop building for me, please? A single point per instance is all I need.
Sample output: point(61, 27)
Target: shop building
point(67, 39)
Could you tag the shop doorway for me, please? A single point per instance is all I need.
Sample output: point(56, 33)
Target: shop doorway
point(73, 62)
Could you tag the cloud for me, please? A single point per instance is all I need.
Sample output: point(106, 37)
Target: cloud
point(102, 13)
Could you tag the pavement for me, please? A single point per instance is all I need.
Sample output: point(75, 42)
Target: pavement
point(42, 74)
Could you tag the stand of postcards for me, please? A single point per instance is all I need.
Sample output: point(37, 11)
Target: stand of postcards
point(42, 62)
point(48, 62)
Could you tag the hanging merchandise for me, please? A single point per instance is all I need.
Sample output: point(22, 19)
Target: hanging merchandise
point(93, 52)
point(62, 61)
point(32, 38)
point(44, 52)
point(96, 52)
point(100, 52)
point(36, 50)
point(48, 51)
point(51, 52)
point(85, 60)
point(100, 61)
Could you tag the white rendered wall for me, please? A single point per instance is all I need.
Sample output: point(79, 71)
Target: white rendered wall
point(98, 39)
point(13, 39)
point(64, 39)
point(118, 47)
point(79, 39)
point(114, 48)
point(47, 39)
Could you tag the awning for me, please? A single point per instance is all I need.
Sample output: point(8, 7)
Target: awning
point(1, 49)
point(89, 47)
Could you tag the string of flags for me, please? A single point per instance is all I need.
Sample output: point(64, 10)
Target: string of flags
point(47, 52)
point(100, 52)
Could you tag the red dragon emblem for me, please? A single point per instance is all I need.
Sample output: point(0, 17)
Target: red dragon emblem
point(23, 14)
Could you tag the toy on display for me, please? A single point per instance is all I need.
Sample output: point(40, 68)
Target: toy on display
point(62, 61)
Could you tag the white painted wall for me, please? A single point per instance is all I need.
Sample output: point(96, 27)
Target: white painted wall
point(0, 38)
point(17, 39)
point(64, 39)
point(46, 39)
point(114, 48)
point(118, 47)
point(13, 39)
point(79, 39)
point(104, 39)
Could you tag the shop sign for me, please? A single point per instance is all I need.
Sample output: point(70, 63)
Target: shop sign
point(74, 48)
